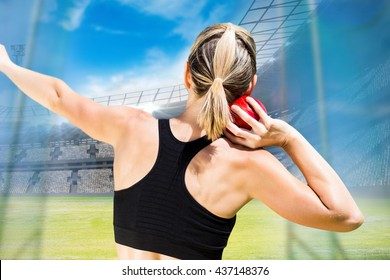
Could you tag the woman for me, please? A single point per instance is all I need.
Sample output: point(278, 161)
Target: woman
point(179, 183)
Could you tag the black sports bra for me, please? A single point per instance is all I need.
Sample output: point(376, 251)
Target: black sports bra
point(158, 214)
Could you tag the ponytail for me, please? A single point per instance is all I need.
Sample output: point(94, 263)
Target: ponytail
point(215, 112)
point(222, 63)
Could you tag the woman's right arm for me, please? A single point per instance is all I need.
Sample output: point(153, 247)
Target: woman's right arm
point(324, 202)
point(98, 121)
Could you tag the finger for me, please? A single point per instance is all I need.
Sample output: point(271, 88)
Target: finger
point(262, 114)
point(232, 128)
point(235, 130)
point(244, 116)
point(257, 126)
point(250, 143)
point(239, 132)
point(228, 132)
point(233, 138)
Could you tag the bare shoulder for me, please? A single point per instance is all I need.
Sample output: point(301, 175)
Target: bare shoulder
point(140, 119)
point(130, 115)
point(242, 157)
point(128, 123)
point(248, 169)
point(261, 166)
point(138, 125)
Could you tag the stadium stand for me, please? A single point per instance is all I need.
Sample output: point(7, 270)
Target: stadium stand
point(15, 182)
point(10, 153)
point(2, 183)
point(74, 152)
point(50, 182)
point(62, 159)
point(37, 154)
point(59, 168)
point(105, 150)
point(95, 181)
point(369, 154)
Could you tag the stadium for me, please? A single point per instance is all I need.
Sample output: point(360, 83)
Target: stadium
point(320, 72)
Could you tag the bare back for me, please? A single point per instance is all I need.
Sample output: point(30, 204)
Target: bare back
point(215, 186)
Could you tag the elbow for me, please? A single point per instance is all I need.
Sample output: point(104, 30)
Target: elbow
point(55, 99)
point(359, 220)
point(349, 222)
point(354, 222)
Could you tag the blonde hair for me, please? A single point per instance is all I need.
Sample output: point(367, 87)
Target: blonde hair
point(222, 64)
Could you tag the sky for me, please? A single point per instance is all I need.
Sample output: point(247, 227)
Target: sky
point(103, 47)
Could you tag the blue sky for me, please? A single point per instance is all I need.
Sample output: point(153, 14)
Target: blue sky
point(102, 47)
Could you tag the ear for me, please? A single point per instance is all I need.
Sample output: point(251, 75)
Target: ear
point(252, 85)
point(187, 75)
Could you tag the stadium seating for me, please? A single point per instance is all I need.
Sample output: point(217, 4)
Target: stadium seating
point(51, 182)
point(15, 182)
point(74, 152)
point(37, 154)
point(360, 156)
point(105, 151)
point(95, 181)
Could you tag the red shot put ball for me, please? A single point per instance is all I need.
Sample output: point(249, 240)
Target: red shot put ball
point(241, 102)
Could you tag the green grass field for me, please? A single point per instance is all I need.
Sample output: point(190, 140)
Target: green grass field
point(81, 228)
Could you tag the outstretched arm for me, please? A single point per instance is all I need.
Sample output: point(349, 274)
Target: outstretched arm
point(99, 121)
point(323, 203)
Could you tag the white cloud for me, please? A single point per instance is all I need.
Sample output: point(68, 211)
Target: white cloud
point(48, 9)
point(189, 29)
point(103, 29)
point(155, 73)
point(169, 9)
point(158, 68)
point(74, 15)
point(189, 15)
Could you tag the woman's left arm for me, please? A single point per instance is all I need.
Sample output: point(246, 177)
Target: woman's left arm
point(104, 123)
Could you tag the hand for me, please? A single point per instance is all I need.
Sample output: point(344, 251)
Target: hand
point(265, 132)
point(4, 58)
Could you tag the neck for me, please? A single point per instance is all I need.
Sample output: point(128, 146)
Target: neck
point(186, 123)
point(193, 107)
